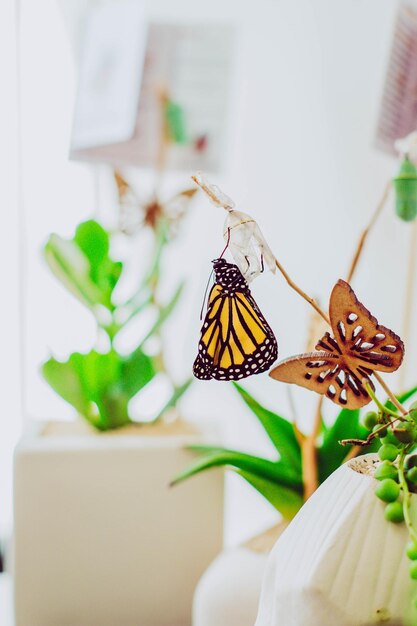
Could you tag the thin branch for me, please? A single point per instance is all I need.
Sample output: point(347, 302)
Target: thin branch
point(365, 442)
point(366, 231)
point(389, 393)
point(309, 454)
point(297, 432)
point(301, 293)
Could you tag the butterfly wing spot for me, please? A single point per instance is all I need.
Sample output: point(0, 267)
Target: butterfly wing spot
point(342, 330)
point(389, 348)
point(323, 375)
point(365, 345)
point(351, 318)
point(343, 397)
point(341, 378)
point(315, 364)
point(331, 392)
point(378, 338)
point(357, 331)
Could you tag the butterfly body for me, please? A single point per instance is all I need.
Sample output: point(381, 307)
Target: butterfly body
point(236, 340)
point(345, 360)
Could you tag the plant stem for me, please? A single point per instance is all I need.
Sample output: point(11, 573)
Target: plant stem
point(381, 407)
point(390, 394)
point(406, 496)
point(294, 415)
point(366, 231)
point(300, 292)
point(309, 454)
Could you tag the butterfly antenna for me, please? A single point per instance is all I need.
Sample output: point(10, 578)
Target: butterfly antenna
point(205, 295)
point(227, 244)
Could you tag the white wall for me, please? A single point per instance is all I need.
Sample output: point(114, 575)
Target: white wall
point(307, 90)
point(10, 417)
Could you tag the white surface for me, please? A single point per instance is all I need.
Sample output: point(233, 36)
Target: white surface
point(6, 600)
point(101, 540)
point(228, 592)
point(339, 561)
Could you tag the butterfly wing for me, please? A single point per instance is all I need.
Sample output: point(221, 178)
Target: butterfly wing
point(175, 209)
point(365, 344)
point(359, 347)
point(236, 341)
point(131, 207)
point(327, 374)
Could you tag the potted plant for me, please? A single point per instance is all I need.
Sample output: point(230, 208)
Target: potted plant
point(99, 537)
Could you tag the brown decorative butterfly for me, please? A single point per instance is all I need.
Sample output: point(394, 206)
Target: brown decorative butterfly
point(359, 347)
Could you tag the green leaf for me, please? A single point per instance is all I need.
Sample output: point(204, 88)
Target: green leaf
point(99, 371)
point(164, 313)
point(91, 383)
point(215, 457)
point(83, 265)
point(331, 454)
point(94, 242)
point(137, 371)
point(287, 501)
point(64, 379)
point(278, 429)
point(71, 267)
point(172, 402)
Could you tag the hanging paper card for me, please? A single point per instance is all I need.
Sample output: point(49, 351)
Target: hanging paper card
point(398, 114)
point(155, 97)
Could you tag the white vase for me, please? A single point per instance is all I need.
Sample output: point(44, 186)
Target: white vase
point(228, 592)
point(100, 538)
point(339, 562)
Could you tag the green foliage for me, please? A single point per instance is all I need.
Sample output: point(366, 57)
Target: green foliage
point(331, 454)
point(100, 384)
point(175, 122)
point(278, 429)
point(280, 480)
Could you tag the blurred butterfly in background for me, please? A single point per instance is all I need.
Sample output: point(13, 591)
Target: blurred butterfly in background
point(358, 348)
point(137, 212)
point(236, 341)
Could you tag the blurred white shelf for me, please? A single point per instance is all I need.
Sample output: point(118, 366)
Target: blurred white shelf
point(6, 600)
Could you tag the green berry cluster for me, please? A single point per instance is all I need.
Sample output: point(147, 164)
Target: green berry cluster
point(397, 472)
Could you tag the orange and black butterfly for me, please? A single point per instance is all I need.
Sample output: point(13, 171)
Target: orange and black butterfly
point(358, 348)
point(236, 341)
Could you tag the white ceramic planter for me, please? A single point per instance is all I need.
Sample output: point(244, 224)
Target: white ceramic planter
point(339, 563)
point(228, 592)
point(100, 538)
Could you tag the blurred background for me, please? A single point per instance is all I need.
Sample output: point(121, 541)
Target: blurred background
point(289, 99)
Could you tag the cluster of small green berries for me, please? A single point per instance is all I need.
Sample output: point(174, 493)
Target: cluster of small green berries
point(393, 439)
point(396, 438)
